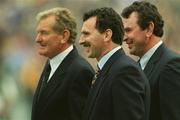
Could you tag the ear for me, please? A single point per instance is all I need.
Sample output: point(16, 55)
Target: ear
point(65, 36)
point(108, 35)
point(150, 29)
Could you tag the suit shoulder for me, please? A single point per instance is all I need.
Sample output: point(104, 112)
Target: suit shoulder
point(124, 64)
point(126, 61)
point(81, 63)
point(170, 54)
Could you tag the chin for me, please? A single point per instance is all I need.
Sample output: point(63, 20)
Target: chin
point(90, 56)
point(42, 54)
point(132, 52)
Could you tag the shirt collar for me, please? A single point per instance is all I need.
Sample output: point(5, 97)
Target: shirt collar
point(105, 58)
point(145, 58)
point(57, 60)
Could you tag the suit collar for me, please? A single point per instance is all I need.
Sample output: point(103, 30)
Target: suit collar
point(66, 62)
point(57, 60)
point(62, 68)
point(100, 80)
point(112, 60)
point(105, 58)
point(154, 59)
point(55, 81)
point(145, 58)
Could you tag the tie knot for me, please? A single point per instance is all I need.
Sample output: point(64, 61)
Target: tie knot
point(97, 70)
point(48, 67)
point(139, 63)
point(47, 71)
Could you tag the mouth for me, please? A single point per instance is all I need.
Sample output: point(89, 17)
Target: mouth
point(129, 46)
point(42, 46)
point(87, 47)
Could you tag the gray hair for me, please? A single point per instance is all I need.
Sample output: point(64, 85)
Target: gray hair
point(64, 20)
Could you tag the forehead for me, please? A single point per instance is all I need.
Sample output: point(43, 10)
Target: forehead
point(89, 24)
point(131, 20)
point(45, 23)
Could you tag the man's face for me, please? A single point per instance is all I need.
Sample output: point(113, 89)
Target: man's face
point(49, 41)
point(135, 37)
point(92, 39)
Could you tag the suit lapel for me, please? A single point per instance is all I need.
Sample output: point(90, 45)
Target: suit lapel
point(57, 79)
point(153, 61)
point(36, 95)
point(100, 80)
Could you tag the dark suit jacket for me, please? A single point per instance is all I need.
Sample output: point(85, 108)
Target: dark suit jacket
point(66, 92)
point(163, 72)
point(121, 91)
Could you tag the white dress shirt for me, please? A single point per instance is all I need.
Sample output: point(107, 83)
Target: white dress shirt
point(105, 58)
point(57, 60)
point(145, 58)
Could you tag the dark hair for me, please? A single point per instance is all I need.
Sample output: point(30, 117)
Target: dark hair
point(107, 18)
point(147, 13)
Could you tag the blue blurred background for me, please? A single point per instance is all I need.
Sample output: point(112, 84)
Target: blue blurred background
point(20, 64)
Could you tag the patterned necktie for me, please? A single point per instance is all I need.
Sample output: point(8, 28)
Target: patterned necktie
point(96, 75)
point(45, 77)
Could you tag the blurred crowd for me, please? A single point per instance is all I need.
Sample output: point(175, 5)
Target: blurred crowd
point(19, 61)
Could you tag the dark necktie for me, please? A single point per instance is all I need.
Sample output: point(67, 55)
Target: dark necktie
point(139, 63)
point(45, 77)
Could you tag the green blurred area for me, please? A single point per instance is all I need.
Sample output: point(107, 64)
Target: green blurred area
point(20, 64)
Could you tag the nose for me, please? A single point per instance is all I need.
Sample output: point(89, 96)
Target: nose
point(38, 38)
point(125, 37)
point(81, 40)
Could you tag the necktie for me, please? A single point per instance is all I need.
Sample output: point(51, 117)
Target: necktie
point(47, 73)
point(45, 77)
point(139, 63)
point(96, 75)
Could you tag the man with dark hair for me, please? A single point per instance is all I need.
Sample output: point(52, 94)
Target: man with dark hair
point(143, 31)
point(120, 91)
point(66, 78)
